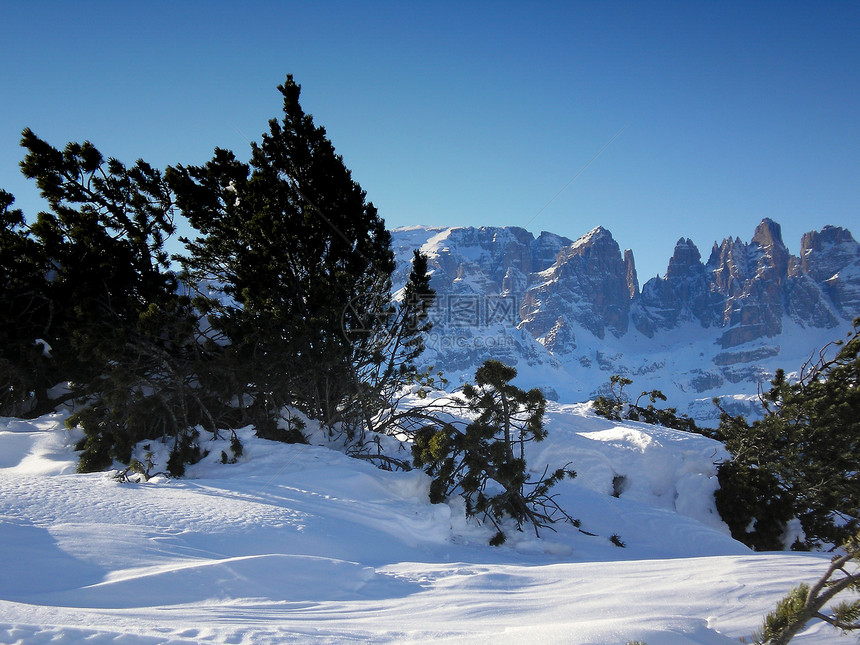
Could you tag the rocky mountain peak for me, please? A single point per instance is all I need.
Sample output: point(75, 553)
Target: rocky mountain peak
point(774, 257)
point(546, 248)
point(595, 237)
point(685, 293)
point(685, 259)
point(823, 253)
point(751, 277)
point(768, 234)
point(590, 282)
point(831, 258)
point(630, 272)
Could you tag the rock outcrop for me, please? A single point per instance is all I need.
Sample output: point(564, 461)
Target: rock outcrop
point(831, 258)
point(588, 284)
point(686, 293)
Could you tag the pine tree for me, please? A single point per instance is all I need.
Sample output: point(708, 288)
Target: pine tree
point(800, 459)
point(616, 407)
point(121, 329)
point(298, 259)
point(485, 461)
point(26, 317)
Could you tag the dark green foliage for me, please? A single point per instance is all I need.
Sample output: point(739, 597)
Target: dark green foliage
point(283, 430)
point(804, 602)
point(612, 406)
point(752, 503)
point(619, 484)
point(616, 407)
point(787, 612)
point(95, 453)
point(236, 450)
point(485, 461)
point(186, 450)
point(137, 469)
point(236, 446)
point(104, 235)
point(800, 460)
point(26, 317)
point(292, 305)
point(617, 541)
point(120, 331)
point(300, 259)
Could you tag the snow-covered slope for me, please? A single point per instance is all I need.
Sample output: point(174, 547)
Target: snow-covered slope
point(304, 544)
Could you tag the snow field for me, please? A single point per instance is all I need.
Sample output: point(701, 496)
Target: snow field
point(304, 544)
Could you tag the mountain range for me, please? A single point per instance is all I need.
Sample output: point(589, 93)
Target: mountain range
point(570, 313)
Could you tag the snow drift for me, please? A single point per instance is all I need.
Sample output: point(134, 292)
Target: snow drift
point(301, 543)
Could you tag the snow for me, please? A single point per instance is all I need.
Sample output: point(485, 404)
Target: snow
point(411, 237)
point(303, 544)
point(46, 348)
point(586, 239)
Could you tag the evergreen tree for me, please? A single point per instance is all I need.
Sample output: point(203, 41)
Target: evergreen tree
point(297, 259)
point(800, 459)
point(120, 327)
point(26, 317)
point(485, 461)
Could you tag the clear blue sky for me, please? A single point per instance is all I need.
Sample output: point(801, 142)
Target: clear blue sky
point(476, 113)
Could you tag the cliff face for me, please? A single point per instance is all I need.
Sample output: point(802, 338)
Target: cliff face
point(748, 290)
point(751, 277)
point(489, 259)
point(831, 258)
point(573, 311)
point(588, 284)
point(686, 293)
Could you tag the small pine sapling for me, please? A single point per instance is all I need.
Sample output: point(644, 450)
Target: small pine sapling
point(140, 468)
point(235, 447)
point(613, 405)
point(616, 407)
point(185, 451)
point(485, 461)
point(619, 485)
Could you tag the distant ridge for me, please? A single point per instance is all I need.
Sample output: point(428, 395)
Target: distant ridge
point(569, 313)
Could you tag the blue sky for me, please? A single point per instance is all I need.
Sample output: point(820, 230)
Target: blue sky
point(476, 113)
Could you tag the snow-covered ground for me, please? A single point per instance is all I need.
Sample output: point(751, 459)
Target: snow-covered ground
point(304, 544)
